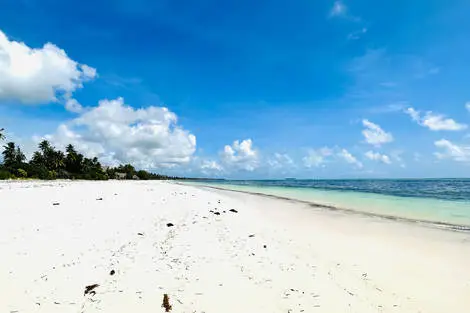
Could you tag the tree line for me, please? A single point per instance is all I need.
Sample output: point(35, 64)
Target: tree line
point(50, 163)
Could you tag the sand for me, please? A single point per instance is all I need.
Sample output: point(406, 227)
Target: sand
point(269, 256)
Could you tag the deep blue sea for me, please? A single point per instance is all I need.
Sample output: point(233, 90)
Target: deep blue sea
point(432, 200)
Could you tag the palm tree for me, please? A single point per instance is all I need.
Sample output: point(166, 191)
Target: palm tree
point(37, 158)
point(71, 159)
point(87, 165)
point(58, 160)
point(45, 147)
point(9, 155)
point(19, 156)
point(2, 136)
point(70, 149)
point(52, 160)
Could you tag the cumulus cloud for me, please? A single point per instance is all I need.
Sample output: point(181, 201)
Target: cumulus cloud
point(434, 121)
point(338, 9)
point(374, 134)
point(349, 158)
point(39, 75)
point(114, 132)
point(375, 156)
point(467, 105)
point(459, 153)
point(209, 165)
point(280, 160)
point(241, 155)
point(73, 105)
point(317, 157)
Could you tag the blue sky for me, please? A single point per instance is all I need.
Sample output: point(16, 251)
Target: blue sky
point(253, 90)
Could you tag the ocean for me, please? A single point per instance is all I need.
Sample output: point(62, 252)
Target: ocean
point(439, 201)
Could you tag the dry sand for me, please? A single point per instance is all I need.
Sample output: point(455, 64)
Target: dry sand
point(269, 256)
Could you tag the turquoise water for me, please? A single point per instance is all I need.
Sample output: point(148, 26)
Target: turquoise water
point(446, 205)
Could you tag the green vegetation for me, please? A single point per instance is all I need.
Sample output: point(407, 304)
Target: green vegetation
point(50, 163)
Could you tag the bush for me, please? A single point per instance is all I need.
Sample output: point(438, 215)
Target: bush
point(39, 172)
point(22, 173)
point(5, 175)
point(52, 175)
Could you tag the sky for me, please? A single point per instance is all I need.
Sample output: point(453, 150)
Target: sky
point(243, 89)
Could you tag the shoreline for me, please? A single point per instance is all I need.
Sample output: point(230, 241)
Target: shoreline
point(434, 224)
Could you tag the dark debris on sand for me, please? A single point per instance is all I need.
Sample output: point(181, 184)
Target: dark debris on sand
point(89, 289)
point(166, 303)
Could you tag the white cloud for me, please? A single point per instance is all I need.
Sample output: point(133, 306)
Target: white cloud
point(338, 9)
point(357, 34)
point(374, 134)
point(434, 121)
point(375, 156)
point(415, 116)
point(349, 158)
point(317, 157)
point(212, 165)
point(240, 155)
point(88, 71)
point(73, 105)
point(117, 133)
point(467, 105)
point(459, 153)
point(38, 75)
point(280, 160)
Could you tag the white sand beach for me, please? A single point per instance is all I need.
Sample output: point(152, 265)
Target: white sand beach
point(266, 255)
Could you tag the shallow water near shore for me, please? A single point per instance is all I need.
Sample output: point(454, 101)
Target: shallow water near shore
point(435, 201)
